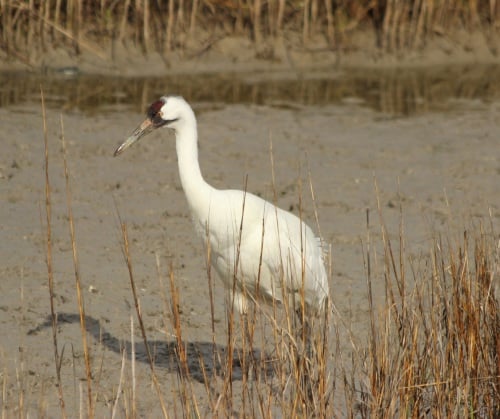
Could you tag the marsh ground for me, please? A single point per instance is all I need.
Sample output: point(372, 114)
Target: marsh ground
point(442, 166)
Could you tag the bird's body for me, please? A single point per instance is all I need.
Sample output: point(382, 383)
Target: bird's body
point(260, 251)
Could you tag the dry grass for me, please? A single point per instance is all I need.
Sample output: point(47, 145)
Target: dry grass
point(432, 349)
point(31, 27)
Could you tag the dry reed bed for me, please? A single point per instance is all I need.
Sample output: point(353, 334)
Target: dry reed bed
point(31, 27)
point(432, 350)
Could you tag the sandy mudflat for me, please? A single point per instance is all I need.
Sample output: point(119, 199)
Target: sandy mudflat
point(443, 167)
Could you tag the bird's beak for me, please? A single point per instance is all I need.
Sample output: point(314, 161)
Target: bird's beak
point(145, 128)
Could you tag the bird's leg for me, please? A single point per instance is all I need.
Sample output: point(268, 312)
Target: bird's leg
point(305, 360)
point(248, 329)
point(239, 304)
point(246, 343)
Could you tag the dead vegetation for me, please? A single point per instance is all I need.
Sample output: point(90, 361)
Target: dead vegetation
point(29, 28)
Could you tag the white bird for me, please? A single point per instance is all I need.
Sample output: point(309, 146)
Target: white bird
point(261, 252)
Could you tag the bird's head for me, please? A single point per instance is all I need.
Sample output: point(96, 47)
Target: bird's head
point(167, 112)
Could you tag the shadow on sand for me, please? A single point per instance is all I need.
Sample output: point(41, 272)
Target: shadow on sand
point(204, 359)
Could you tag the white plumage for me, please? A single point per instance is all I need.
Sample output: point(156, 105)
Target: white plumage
point(260, 251)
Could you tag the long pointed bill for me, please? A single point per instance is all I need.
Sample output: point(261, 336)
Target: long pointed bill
point(145, 128)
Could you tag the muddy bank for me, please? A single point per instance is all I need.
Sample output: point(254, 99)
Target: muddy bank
point(229, 53)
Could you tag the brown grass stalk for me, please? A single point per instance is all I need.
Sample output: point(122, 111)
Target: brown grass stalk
point(123, 22)
point(170, 27)
point(257, 29)
point(128, 260)
point(189, 403)
point(48, 249)
point(330, 31)
point(80, 300)
point(120, 384)
point(280, 16)
point(306, 21)
point(145, 26)
point(192, 18)
point(133, 404)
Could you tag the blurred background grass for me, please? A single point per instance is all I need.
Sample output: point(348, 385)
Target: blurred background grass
point(30, 27)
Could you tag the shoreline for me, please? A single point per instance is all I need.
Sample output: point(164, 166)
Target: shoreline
point(238, 54)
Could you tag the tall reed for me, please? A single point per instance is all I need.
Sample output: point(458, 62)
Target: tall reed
point(434, 345)
point(29, 28)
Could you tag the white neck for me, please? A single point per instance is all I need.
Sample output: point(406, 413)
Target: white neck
point(197, 191)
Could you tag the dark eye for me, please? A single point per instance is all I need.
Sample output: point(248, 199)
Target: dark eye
point(154, 109)
point(157, 120)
